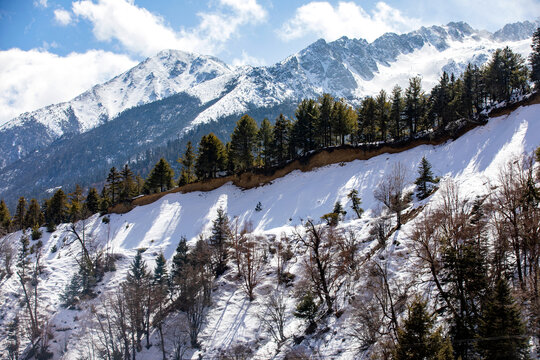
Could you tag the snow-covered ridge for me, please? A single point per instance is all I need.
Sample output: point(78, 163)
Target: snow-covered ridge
point(349, 68)
point(470, 161)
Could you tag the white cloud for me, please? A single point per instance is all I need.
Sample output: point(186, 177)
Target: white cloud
point(62, 17)
point(41, 3)
point(145, 33)
point(32, 79)
point(347, 18)
point(246, 59)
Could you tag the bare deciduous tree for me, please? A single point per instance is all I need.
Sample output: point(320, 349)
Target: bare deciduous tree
point(390, 191)
point(273, 318)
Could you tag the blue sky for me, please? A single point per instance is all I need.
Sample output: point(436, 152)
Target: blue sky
point(52, 50)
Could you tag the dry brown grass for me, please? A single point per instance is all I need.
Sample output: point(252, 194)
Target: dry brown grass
point(249, 180)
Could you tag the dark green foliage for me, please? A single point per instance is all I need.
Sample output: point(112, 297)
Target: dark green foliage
point(72, 291)
point(179, 260)
point(258, 207)
point(33, 217)
point(281, 145)
point(36, 233)
point(344, 119)
point(18, 219)
point(502, 333)
point(414, 98)
point(137, 272)
point(505, 75)
point(382, 115)
point(76, 206)
point(366, 120)
point(56, 210)
point(355, 202)
point(5, 217)
point(417, 340)
point(325, 119)
point(160, 178)
point(128, 188)
point(307, 308)
point(424, 182)
point(160, 276)
point(265, 140)
point(243, 144)
point(219, 241)
point(187, 174)
point(92, 201)
point(212, 157)
point(396, 113)
point(305, 126)
point(534, 59)
point(112, 187)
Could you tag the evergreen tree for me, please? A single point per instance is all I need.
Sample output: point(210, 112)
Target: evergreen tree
point(344, 122)
point(413, 104)
point(76, 204)
point(18, 219)
point(424, 182)
point(56, 210)
point(307, 308)
point(324, 122)
point(396, 113)
point(243, 143)
point(382, 114)
point(5, 217)
point(282, 137)
point(160, 276)
point(160, 178)
point(92, 201)
point(505, 73)
point(187, 175)
point(34, 217)
point(127, 185)
point(112, 187)
point(502, 333)
point(211, 158)
point(417, 341)
point(366, 120)
point(219, 241)
point(264, 144)
point(440, 100)
point(534, 59)
point(305, 126)
point(180, 260)
point(355, 202)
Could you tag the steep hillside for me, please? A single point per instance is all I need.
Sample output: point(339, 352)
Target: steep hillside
point(472, 162)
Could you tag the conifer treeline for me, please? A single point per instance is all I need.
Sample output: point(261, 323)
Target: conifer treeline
point(318, 124)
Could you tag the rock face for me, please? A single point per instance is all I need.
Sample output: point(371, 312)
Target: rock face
point(174, 93)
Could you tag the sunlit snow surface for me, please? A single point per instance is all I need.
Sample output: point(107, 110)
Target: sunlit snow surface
point(471, 161)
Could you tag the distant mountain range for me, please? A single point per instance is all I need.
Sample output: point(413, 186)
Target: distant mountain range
point(175, 96)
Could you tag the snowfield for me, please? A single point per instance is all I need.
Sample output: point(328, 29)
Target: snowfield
point(471, 161)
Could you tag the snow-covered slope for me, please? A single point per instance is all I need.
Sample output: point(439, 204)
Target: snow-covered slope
point(471, 161)
point(350, 68)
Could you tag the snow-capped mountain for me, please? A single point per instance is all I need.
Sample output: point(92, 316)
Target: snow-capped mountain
point(470, 162)
point(179, 92)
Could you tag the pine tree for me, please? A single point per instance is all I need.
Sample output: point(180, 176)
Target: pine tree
point(187, 174)
point(304, 128)
point(505, 73)
point(307, 308)
point(112, 187)
point(243, 143)
point(282, 137)
point(502, 333)
point(366, 114)
point(160, 276)
point(534, 59)
point(219, 241)
point(76, 204)
point(396, 113)
point(325, 120)
point(180, 260)
point(424, 182)
point(382, 114)
point(160, 178)
point(34, 217)
point(345, 118)
point(413, 104)
point(355, 202)
point(211, 158)
point(127, 185)
point(5, 217)
point(264, 144)
point(56, 209)
point(92, 201)
point(18, 219)
point(417, 341)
